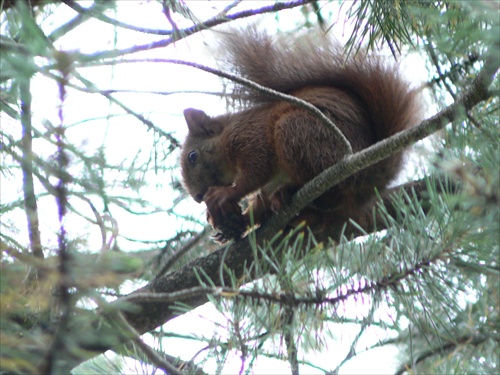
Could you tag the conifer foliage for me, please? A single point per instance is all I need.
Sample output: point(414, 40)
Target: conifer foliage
point(102, 249)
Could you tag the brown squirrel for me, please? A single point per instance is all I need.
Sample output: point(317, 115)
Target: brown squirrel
point(272, 148)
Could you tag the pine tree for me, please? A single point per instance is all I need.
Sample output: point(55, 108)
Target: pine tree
point(101, 246)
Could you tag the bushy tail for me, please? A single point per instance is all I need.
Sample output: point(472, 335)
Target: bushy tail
point(286, 64)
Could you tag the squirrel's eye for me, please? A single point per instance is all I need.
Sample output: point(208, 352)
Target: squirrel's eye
point(192, 156)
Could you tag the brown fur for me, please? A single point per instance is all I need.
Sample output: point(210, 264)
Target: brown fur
point(273, 148)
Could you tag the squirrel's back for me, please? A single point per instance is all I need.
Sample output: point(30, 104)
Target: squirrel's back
point(287, 64)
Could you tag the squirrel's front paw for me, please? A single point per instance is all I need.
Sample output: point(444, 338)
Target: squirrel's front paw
point(227, 230)
point(224, 214)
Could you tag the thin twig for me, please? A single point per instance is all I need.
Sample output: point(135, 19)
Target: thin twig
point(174, 142)
point(223, 13)
point(345, 145)
point(441, 77)
point(443, 348)
point(72, 24)
point(352, 351)
point(183, 250)
point(30, 202)
point(93, 12)
point(291, 347)
point(150, 354)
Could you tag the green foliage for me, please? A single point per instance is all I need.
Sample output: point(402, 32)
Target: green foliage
point(101, 365)
point(92, 207)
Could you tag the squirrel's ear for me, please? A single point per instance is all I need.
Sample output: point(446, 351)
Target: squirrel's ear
point(198, 122)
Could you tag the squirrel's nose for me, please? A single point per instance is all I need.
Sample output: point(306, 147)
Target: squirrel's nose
point(198, 198)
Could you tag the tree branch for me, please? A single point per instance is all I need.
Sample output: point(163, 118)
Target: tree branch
point(443, 348)
point(30, 203)
point(93, 12)
point(150, 354)
point(174, 142)
point(291, 346)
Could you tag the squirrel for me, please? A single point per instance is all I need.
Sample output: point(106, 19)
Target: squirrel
point(271, 148)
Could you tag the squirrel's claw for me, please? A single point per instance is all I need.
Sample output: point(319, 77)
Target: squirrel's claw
point(224, 215)
point(226, 235)
point(220, 237)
